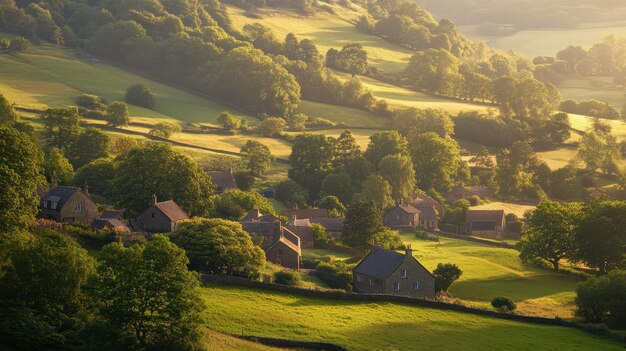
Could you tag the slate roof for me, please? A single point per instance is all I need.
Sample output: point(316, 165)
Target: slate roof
point(116, 214)
point(484, 216)
point(270, 228)
point(60, 194)
point(223, 180)
point(304, 213)
point(380, 263)
point(331, 224)
point(300, 222)
point(171, 210)
point(100, 223)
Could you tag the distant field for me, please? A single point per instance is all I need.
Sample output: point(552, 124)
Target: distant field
point(48, 76)
point(339, 114)
point(327, 31)
point(517, 209)
point(593, 87)
point(361, 135)
point(381, 326)
point(547, 41)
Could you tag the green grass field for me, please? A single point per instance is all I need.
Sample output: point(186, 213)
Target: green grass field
point(593, 87)
point(381, 326)
point(48, 76)
point(219, 341)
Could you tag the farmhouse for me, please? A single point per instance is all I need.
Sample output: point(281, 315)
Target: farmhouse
point(485, 223)
point(333, 225)
point(390, 272)
point(281, 245)
point(161, 217)
point(430, 209)
point(303, 228)
point(402, 217)
point(68, 204)
point(223, 180)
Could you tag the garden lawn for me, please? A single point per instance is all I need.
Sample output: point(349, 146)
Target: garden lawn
point(381, 326)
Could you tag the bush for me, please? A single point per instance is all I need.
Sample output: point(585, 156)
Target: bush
point(445, 274)
point(291, 193)
point(602, 299)
point(334, 274)
point(515, 227)
point(245, 180)
point(474, 200)
point(90, 101)
point(140, 95)
point(288, 278)
point(503, 304)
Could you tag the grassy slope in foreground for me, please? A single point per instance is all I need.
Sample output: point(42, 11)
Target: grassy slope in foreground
point(49, 76)
point(368, 325)
point(223, 342)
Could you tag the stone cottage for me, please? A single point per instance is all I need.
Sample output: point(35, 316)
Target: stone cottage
point(161, 217)
point(223, 180)
point(402, 217)
point(485, 223)
point(68, 204)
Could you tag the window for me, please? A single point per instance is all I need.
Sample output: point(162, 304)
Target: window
point(152, 214)
point(54, 205)
point(358, 278)
point(416, 286)
point(396, 286)
point(371, 281)
point(78, 207)
point(403, 274)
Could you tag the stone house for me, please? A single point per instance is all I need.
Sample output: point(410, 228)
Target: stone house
point(333, 225)
point(402, 217)
point(161, 217)
point(303, 228)
point(223, 180)
point(305, 213)
point(393, 273)
point(485, 223)
point(68, 204)
point(431, 211)
point(108, 224)
point(284, 252)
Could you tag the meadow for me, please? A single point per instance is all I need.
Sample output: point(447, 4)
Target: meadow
point(219, 341)
point(380, 326)
point(593, 87)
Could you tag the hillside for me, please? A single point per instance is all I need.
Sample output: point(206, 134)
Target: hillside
point(370, 325)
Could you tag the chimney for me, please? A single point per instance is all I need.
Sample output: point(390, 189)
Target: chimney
point(293, 219)
point(86, 189)
point(409, 251)
point(55, 180)
point(376, 245)
point(154, 199)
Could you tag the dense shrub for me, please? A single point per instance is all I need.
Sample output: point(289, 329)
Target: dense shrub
point(489, 130)
point(291, 193)
point(503, 304)
point(140, 95)
point(446, 274)
point(90, 101)
point(515, 227)
point(334, 274)
point(288, 278)
point(603, 299)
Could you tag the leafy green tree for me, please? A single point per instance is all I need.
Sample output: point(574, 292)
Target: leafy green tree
point(146, 298)
point(352, 58)
point(61, 127)
point(503, 304)
point(256, 157)
point(272, 126)
point(413, 122)
point(90, 101)
point(383, 144)
point(92, 144)
point(602, 299)
point(565, 184)
point(291, 193)
point(297, 122)
point(551, 235)
point(363, 221)
point(375, 188)
point(435, 70)
point(161, 170)
point(346, 148)
point(220, 247)
point(598, 151)
point(165, 130)
point(399, 172)
point(229, 122)
point(572, 54)
point(482, 158)
point(437, 162)
point(515, 168)
point(98, 174)
point(332, 204)
point(7, 112)
point(310, 161)
point(56, 164)
point(446, 274)
point(117, 115)
point(19, 44)
point(233, 204)
point(140, 95)
point(21, 166)
point(339, 185)
point(245, 180)
point(604, 252)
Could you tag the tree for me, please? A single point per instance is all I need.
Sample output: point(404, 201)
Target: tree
point(413, 122)
point(219, 246)
point(233, 204)
point(61, 127)
point(229, 122)
point(572, 54)
point(437, 162)
point(346, 148)
point(482, 158)
point(19, 44)
point(383, 144)
point(98, 174)
point(140, 95)
point(272, 126)
point(352, 58)
point(503, 304)
point(602, 299)
point(56, 164)
point(339, 185)
point(165, 130)
point(446, 274)
point(256, 157)
point(598, 150)
point(21, 166)
point(117, 115)
point(398, 171)
point(604, 252)
point(435, 70)
point(363, 221)
point(92, 144)
point(291, 193)
point(41, 301)
point(375, 188)
point(90, 101)
point(515, 168)
point(146, 297)
point(7, 112)
point(551, 232)
point(310, 161)
point(332, 205)
point(159, 169)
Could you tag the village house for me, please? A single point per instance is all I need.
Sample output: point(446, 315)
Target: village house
point(68, 204)
point(109, 224)
point(431, 211)
point(332, 225)
point(305, 213)
point(223, 180)
point(392, 273)
point(161, 217)
point(485, 223)
point(281, 245)
point(303, 228)
point(402, 217)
